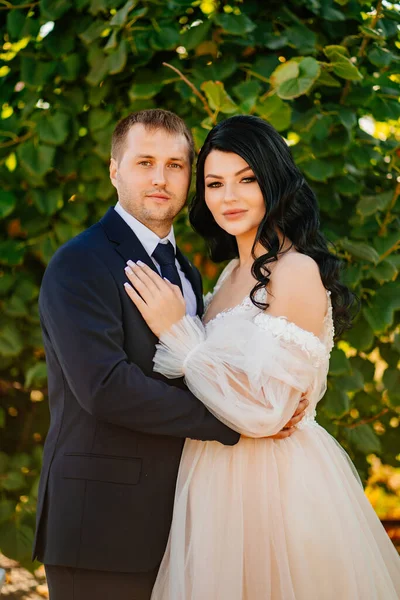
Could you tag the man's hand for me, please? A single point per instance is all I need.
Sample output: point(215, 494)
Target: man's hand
point(290, 426)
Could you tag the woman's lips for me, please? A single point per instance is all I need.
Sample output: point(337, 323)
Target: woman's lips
point(234, 214)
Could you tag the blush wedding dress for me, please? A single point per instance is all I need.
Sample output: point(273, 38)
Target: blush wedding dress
point(266, 519)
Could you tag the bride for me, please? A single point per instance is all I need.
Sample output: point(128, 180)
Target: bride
point(265, 519)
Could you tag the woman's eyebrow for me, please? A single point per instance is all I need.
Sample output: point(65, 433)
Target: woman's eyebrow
point(238, 173)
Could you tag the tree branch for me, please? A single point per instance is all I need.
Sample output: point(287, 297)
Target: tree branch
point(193, 88)
point(361, 51)
point(388, 214)
point(9, 6)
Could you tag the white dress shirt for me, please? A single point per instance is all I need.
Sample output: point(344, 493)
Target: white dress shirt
point(150, 241)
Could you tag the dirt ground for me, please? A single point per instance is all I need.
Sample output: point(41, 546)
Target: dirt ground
point(20, 584)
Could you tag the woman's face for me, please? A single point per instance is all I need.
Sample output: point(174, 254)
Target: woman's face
point(232, 193)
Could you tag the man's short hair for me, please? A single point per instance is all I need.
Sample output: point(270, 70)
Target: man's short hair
point(153, 119)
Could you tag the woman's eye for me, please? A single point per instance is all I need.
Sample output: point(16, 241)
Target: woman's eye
point(176, 165)
point(145, 163)
point(214, 184)
point(248, 179)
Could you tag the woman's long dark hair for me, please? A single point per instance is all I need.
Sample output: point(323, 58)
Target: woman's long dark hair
point(291, 207)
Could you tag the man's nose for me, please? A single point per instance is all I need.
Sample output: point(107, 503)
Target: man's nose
point(159, 176)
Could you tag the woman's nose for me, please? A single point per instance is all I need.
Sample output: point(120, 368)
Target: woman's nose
point(230, 194)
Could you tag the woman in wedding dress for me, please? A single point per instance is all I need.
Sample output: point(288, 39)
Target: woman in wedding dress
point(266, 519)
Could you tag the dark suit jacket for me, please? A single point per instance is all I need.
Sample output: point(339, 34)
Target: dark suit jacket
point(117, 429)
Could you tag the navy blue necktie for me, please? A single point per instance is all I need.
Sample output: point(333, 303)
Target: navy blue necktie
point(164, 254)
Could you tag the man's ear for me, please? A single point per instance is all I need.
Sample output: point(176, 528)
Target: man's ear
point(113, 171)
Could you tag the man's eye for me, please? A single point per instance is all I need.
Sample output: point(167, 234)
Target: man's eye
point(145, 163)
point(176, 165)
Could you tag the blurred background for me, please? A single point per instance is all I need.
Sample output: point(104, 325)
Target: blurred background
point(325, 73)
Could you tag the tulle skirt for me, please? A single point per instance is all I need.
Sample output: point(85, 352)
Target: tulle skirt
point(275, 520)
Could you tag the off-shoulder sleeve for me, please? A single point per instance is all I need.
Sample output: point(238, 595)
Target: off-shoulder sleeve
point(249, 373)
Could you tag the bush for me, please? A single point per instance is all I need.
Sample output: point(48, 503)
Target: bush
point(325, 73)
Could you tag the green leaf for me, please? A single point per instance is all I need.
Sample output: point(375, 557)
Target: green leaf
point(122, 14)
point(165, 39)
point(36, 159)
point(391, 380)
point(384, 271)
point(287, 71)
point(69, 68)
point(308, 72)
point(275, 111)
point(348, 185)
point(144, 91)
point(369, 205)
point(46, 201)
point(15, 23)
point(36, 375)
point(318, 170)
point(347, 117)
point(373, 34)
point(13, 481)
point(6, 282)
point(217, 97)
point(117, 60)
point(12, 252)
point(15, 307)
point(193, 36)
point(331, 14)
point(339, 364)
point(93, 32)
point(380, 57)
point(264, 66)
point(361, 336)
point(301, 38)
point(54, 9)
point(326, 78)
point(364, 439)
point(34, 72)
point(11, 343)
point(6, 506)
point(247, 92)
point(235, 24)
point(99, 119)
point(360, 250)
point(342, 65)
point(380, 312)
point(98, 66)
point(336, 403)
point(16, 540)
point(8, 203)
point(53, 129)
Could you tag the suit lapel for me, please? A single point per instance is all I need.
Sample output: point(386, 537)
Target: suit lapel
point(194, 278)
point(126, 243)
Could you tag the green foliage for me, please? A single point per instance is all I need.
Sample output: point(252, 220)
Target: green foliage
point(321, 71)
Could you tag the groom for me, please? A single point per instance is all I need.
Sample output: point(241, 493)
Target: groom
point(117, 428)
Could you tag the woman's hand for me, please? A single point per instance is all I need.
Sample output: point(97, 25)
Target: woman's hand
point(160, 303)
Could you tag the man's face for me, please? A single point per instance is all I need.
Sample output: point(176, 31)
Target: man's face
point(152, 176)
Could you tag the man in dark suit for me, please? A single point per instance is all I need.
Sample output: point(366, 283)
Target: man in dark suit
point(117, 429)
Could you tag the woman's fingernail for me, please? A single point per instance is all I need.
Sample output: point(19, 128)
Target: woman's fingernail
point(128, 270)
point(131, 263)
point(140, 263)
point(166, 279)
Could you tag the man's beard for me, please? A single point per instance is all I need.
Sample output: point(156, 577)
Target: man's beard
point(162, 214)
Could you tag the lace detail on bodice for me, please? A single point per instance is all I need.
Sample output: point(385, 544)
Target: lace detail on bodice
point(318, 349)
point(292, 334)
